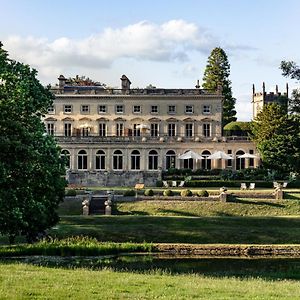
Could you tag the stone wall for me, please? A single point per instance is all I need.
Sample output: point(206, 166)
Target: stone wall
point(124, 178)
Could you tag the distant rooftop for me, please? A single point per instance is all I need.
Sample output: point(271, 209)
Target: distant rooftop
point(86, 86)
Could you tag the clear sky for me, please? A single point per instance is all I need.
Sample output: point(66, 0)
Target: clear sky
point(160, 42)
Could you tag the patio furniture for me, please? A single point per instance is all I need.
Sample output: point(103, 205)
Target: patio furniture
point(243, 186)
point(181, 184)
point(174, 183)
point(284, 185)
point(252, 186)
point(165, 183)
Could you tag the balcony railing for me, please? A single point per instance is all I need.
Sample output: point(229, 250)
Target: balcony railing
point(145, 138)
point(85, 90)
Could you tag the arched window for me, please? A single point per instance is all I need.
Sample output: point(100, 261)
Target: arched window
point(135, 160)
point(153, 160)
point(206, 163)
point(239, 162)
point(118, 160)
point(82, 160)
point(65, 155)
point(170, 159)
point(188, 163)
point(100, 160)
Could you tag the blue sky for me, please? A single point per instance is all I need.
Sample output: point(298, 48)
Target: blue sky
point(165, 43)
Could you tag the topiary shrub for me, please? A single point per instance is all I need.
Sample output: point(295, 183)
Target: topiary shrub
point(71, 192)
point(148, 192)
point(203, 193)
point(186, 193)
point(168, 193)
point(129, 193)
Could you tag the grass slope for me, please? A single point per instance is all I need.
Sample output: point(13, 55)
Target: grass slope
point(21, 281)
point(163, 229)
point(240, 207)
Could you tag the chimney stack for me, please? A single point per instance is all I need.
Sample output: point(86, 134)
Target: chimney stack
point(125, 83)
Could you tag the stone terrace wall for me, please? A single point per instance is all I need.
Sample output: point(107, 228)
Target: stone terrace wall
point(126, 178)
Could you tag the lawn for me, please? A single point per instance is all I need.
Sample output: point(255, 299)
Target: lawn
point(168, 229)
point(240, 207)
point(24, 281)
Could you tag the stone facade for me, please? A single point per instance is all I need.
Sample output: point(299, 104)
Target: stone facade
point(127, 136)
point(259, 99)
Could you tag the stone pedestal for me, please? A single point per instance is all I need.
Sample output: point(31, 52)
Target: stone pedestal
point(223, 197)
point(86, 207)
point(108, 210)
point(279, 194)
point(108, 204)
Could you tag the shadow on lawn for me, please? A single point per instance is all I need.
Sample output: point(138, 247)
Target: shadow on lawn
point(178, 213)
point(265, 268)
point(243, 201)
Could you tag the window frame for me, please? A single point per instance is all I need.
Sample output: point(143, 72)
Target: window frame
point(171, 111)
point(206, 112)
point(205, 130)
point(191, 107)
point(135, 160)
point(68, 110)
point(153, 111)
point(135, 110)
point(119, 106)
point(189, 132)
point(83, 109)
point(103, 106)
point(51, 110)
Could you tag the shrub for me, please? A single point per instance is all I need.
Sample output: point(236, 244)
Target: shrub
point(159, 183)
point(168, 193)
point(71, 192)
point(186, 193)
point(148, 192)
point(129, 193)
point(203, 193)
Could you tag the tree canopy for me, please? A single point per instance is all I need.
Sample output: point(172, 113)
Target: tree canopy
point(292, 70)
point(216, 75)
point(31, 181)
point(277, 138)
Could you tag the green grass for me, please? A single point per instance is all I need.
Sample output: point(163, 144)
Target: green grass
point(167, 229)
point(240, 207)
point(21, 281)
point(74, 246)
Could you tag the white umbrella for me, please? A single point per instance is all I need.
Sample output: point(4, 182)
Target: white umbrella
point(219, 155)
point(143, 126)
point(190, 154)
point(247, 155)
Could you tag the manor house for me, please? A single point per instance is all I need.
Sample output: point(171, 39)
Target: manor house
point(124, 136)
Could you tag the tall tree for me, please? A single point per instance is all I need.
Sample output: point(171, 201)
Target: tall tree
point(292, 70)
point(277, 138)
point(31, 182)
point(216, 75)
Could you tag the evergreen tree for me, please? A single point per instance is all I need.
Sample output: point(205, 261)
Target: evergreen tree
point(277, 138)
point(216, 75)
point(31, 181)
